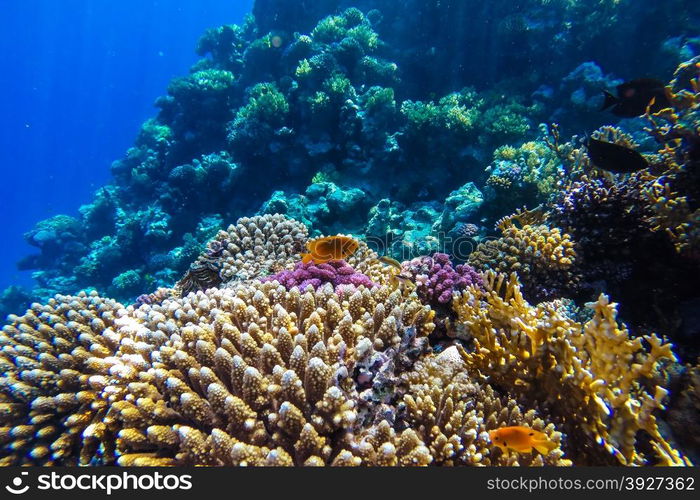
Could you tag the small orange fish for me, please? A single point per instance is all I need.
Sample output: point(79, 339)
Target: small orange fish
point(521, 439)
point(329, 248)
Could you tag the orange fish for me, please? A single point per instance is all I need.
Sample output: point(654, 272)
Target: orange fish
point(329, 248)
point(521, 439)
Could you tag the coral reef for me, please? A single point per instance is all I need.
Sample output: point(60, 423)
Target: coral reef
point(544, 258)
point(325, 118)
point(259, 375)
point(610, 377)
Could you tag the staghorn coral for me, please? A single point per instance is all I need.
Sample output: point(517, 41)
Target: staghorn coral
point(336, 272)
point(598, 385)
point(253, 247)
point(543, 257)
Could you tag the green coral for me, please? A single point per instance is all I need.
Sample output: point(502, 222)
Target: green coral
point(154, 135)
point(127, 284)
point(458, 112)
point(319, 102)
point(339, 87)
point(330, 29)
point(267, 108)
point(323, 176)
point(507, 121)
point(365, 36)
point(303, 69)
point(378, 99)
point(353, 17)
point(202, 83)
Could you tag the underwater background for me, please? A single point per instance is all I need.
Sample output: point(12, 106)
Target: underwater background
point(350, 232)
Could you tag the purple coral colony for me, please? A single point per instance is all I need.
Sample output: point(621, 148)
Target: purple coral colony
point(507, 275)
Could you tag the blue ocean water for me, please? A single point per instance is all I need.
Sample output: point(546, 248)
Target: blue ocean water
point(80, 76)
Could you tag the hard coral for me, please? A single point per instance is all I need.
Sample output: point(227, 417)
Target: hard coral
point(335, 272)
point(543, 257)
point(596, 383)
point(54, 359)
point(437, 279)
point(253, 375)
point(452, 413)
point(253, 247)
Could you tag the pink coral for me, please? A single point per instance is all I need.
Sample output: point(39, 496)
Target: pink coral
point(335, 272)
point(436, 279)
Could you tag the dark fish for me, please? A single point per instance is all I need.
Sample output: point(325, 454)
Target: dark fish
point(634, 97)
point(615, 158)
point(694, 148)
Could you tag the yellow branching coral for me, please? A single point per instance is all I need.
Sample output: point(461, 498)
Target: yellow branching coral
point(599, 385)
point(543, 257)
point(452, 414)
point(672, 213)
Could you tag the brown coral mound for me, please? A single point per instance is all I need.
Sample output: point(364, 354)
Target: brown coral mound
point(599, 385)
point(52, 359)
point(543, 257)
point(253, 247)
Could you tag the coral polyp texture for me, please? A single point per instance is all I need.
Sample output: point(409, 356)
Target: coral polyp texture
point(335, 272)
point(502, 275)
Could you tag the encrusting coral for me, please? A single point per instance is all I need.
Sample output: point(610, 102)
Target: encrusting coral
point(335, 272)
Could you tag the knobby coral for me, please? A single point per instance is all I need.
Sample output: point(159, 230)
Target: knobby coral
point(543, 257)
point(250, 375)
point(335, 272)
point(253, 247)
